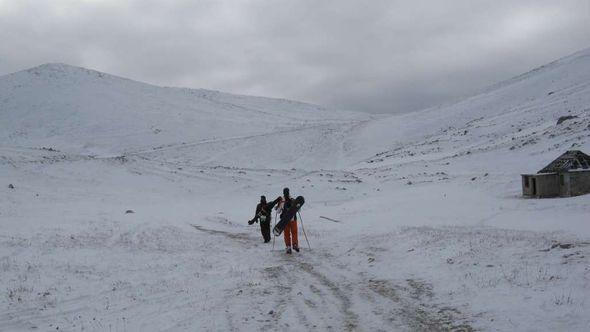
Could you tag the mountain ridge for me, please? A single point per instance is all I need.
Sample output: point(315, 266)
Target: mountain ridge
point(87, 111)
point(60, 69)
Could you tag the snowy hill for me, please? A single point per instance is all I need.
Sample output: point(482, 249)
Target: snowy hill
point(519, 115)
point(88, 112)
point(124, 206)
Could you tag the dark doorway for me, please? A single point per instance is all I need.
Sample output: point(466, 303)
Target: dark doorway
point(534, 183)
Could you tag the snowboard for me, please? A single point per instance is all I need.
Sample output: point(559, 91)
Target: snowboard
point(288, 215)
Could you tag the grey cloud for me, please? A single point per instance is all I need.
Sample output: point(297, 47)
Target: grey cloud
point(375, 56)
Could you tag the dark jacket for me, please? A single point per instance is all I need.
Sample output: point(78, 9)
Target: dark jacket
point(264, 210)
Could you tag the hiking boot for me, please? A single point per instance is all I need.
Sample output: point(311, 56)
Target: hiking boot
point(289, 251)
point(296, 248)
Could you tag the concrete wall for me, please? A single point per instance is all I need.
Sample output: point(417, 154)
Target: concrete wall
point(547, 185)
point(579, 183)
point(540, 185)
point(554, 185)
point(564, 184)
point(527, 188)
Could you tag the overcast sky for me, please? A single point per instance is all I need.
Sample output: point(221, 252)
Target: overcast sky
point(375, 56)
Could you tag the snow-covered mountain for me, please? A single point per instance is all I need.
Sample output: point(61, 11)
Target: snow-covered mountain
point(124, 207)
point(89, 112)
point(519, 115)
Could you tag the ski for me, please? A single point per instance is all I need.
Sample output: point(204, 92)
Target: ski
point(334, 220)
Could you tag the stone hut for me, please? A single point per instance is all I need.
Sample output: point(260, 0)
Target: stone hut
point(568, 175)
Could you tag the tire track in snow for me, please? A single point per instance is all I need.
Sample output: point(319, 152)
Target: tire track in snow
point(243, 238)
point(410, 308)
point(350, 318)
point(179, 146)
point(289, 281)
point(318, 301)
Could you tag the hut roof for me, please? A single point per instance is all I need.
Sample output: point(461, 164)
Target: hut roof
point(571, 160)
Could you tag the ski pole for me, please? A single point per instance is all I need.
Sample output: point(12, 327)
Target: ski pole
point(273, 233)
point(303, 229)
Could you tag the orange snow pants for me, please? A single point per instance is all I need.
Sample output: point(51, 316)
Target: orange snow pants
point(290, 234)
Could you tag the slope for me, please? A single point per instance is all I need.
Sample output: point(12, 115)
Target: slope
point(516, 119)
point(83, 111)
point(148, 231)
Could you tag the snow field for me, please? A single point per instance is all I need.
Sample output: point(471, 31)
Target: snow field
point(431, 231)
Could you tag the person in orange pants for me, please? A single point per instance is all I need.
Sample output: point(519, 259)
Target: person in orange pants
point(290, 231)
point(290, 235)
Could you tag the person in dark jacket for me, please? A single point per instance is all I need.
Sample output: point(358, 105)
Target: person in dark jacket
point(263, 214)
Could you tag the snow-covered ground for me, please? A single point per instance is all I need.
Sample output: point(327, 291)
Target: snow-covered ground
point(431, 234)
